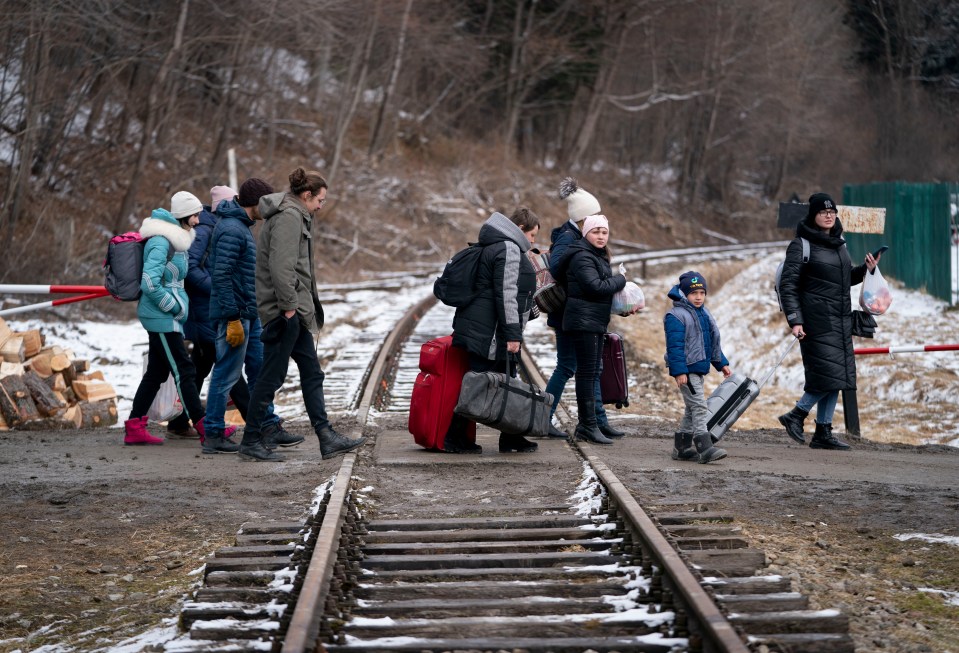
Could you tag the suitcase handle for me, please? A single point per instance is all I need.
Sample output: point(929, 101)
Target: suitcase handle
point(775, 367)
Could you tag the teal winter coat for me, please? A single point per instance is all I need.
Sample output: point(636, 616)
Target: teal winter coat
point(163, 306)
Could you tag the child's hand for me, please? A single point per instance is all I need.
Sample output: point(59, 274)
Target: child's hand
point(681, 380)
point(726, 372)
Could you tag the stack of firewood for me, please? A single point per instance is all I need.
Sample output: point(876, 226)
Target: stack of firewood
point(45, 387)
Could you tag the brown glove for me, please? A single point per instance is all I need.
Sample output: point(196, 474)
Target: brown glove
point(234, 333)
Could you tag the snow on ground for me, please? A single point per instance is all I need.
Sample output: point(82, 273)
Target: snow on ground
point(906, 397)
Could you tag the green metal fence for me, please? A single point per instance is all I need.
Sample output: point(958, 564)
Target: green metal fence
point(918, 231)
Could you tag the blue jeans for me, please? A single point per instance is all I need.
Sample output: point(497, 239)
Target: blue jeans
point(564, 371)
point(230, 362)
point(825, 403)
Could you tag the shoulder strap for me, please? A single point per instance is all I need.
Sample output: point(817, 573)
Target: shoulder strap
point(805, 249)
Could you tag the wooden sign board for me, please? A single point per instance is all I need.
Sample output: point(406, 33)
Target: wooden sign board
point(855, 219)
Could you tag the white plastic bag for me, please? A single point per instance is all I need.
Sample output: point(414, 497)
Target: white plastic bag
point(628, 300)
point(166, 405)
point(874, 296)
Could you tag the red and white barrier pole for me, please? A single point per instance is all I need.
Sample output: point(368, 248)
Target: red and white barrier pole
point(89, 292)
point(904, 349)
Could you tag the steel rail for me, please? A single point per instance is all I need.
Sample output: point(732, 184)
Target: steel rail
point(304, 628)
point(713, 627)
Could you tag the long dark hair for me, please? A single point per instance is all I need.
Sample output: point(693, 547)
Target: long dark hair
point(301, 181)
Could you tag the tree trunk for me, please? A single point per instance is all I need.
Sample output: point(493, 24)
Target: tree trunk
point(359, 67)
point(154, 105)
point(375, 139)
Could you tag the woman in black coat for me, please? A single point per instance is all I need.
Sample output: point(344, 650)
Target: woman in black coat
point(815, 299)
point(590, 285)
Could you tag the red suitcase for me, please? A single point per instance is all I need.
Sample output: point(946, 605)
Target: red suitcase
point(612, 380)
point(435, 392)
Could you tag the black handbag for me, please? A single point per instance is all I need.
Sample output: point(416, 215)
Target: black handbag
point(863, 324)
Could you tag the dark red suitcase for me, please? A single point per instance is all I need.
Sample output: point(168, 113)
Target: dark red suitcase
point(435, 392)
point(612, 380)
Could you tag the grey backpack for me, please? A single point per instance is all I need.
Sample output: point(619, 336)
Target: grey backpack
point(779, 269)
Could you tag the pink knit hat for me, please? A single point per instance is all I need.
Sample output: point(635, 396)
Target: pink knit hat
point(220, 193)
point(594, 221)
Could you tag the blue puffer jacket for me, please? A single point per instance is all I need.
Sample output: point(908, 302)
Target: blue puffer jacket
point(232, 265)
point(590, 286)
point(198, 327)
point(692, 337)
point(562, 237)
point(163, 306)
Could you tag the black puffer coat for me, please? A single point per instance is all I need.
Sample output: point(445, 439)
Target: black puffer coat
point(590, 286)
point(816, 295)
point(505, 281)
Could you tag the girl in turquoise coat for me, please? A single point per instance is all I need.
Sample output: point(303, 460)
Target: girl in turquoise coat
point(163, 309)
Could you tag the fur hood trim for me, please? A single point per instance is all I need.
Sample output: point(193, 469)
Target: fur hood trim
point(162, 223)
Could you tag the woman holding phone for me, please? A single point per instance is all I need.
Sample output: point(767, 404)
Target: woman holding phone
point(815, 299)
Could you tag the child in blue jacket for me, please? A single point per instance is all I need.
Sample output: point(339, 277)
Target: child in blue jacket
point(692, 345)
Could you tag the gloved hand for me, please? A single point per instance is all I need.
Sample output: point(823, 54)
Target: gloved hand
point(622, 269)
point(234, 333)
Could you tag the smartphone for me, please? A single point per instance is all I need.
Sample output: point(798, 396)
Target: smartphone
point(879, 251)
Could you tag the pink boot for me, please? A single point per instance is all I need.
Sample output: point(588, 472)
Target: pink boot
point(136, 432)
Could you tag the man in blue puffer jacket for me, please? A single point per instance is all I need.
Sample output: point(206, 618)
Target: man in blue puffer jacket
point(233, 313)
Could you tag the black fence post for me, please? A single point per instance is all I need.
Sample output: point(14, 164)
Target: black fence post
point(850, 409)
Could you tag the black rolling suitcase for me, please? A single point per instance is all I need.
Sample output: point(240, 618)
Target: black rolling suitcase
point(613, 386)
point(730, 400)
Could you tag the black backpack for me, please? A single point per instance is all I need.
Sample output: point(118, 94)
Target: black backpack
point(455, 287)
point(123, 265)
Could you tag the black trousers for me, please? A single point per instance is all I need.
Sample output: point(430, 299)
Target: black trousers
point(203, 356)
point(284, 339)
point(167, 355)
point(589, 361)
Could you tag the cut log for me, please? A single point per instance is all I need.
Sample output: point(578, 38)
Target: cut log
point(93, 390)
point(69, 374)
point(97, 414)
point(56, 382)
point(46, 402)
point(53, 350)
point(4, 332)
point(3, 423)
point(74, 414)
point(91, 376)
point(53, 423)
point(41, 364)
point(32, 342)
point(16, 404)
point(59, 362)
point(81, 366)
point(12, 350)
point(10, 369)
point(69, 396)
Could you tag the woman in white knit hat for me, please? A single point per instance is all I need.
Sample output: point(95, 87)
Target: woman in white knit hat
point(580, 205)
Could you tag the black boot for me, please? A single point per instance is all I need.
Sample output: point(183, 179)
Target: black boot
point(556, 433)
point(517, 443)
point(587, 429)
point(824, 439)
point(707, 452)
point(333, 444)
point(215, 442)
point(252, 449)
point(275, 435)
point(610, 432)
point(793, 421)
point(456, 444)
point(683, 447)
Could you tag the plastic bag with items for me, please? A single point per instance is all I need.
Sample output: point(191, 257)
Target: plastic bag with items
point(628, 300)
point(874, 296)
point(167, 404)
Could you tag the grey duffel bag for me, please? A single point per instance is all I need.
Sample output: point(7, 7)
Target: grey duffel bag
point(504, 403)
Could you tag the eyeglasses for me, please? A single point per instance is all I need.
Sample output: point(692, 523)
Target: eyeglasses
point(829, 212)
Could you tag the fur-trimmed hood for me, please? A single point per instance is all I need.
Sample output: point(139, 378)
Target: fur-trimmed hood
point(162, 223)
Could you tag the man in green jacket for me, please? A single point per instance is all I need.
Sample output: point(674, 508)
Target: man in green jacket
point(290, 310)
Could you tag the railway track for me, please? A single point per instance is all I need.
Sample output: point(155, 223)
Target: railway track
point(426, 559)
